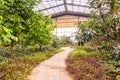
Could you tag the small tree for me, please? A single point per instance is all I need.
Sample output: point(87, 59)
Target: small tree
point(15, 14)
point(40, 30)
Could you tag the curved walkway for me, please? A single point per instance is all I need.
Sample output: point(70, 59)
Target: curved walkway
point(53, 68)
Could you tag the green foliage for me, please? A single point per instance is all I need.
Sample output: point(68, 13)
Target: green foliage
point(14, 18)
point(85, 65)
point(40, 30)
point(61, 41)
point(85, 33)
point(79, 53)
point(108, 24)
point(64, 40)
point(116, 53)
point(85, 50)
point(55, 42)
point(102, 27)
point(85, 47)
point(109, 63)
point(21, 25)
point(106, 38)
point(22, 65)
point(15, 14)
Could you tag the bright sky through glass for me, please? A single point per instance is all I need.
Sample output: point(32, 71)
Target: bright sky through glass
point(51, 7)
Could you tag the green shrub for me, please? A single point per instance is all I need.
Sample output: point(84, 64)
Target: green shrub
point(84, 47)
point(78, 53)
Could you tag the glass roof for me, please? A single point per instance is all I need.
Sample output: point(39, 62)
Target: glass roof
point(54, 7)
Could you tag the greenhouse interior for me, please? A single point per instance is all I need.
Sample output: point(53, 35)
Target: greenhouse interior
point(59, 39)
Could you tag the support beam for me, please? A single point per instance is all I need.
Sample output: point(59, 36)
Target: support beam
point(70, 13)
point(51, 7)
point(65, 5)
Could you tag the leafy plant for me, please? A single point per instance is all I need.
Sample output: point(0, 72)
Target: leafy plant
point(65, 40)
point(55, 41)
point(15, 15)
point(40, 31)
point(85, 34)
point(20, 24)
point(116, 53)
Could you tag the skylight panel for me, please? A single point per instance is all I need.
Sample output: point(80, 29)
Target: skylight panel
point(57, 10)
point(51, 11)
point(46, 13)
point(69, 1)
point(87, 10)
point(81, 9)
point(69, 7)
point(40, 7)
point(76, 2)
point(53, 3)
point(46, 5)
point(84, 2)
point(56, 6)
point(76, 8)
point(62, 8)
point(59, 2)
point(35, 9)
point(44, 0)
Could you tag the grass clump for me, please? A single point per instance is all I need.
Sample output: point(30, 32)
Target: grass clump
point(84, 47)
point(78, 53)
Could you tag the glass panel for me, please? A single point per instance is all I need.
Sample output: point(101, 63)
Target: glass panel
point(69, 1)
point(81, 9)
point(46, 13)
point(87, 10)
point(62, 8)
point(56, 6)
point(53, 3)
point(40, 7)
point(77, 2)
point(51, 11)
point(59, 2)
point(84, 2)
point(56, 10)
point(46, 5)
point(76, 8)
point(65, 32)
point(69, 7)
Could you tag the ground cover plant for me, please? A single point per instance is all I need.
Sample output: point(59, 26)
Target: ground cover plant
point(92, 65)
point(20, 67)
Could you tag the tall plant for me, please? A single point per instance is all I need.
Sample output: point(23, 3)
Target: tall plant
point(15, 14)
point(110, 16)
point(40, 30)
point(85, 32)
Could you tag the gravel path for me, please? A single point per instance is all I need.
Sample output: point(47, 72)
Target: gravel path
point(53, 68)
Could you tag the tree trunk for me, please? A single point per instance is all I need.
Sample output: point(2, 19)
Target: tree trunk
point(11, 50)
point(40, 46)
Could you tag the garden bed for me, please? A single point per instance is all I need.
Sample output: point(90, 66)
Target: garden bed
point(20, 67)
point(92, 65)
